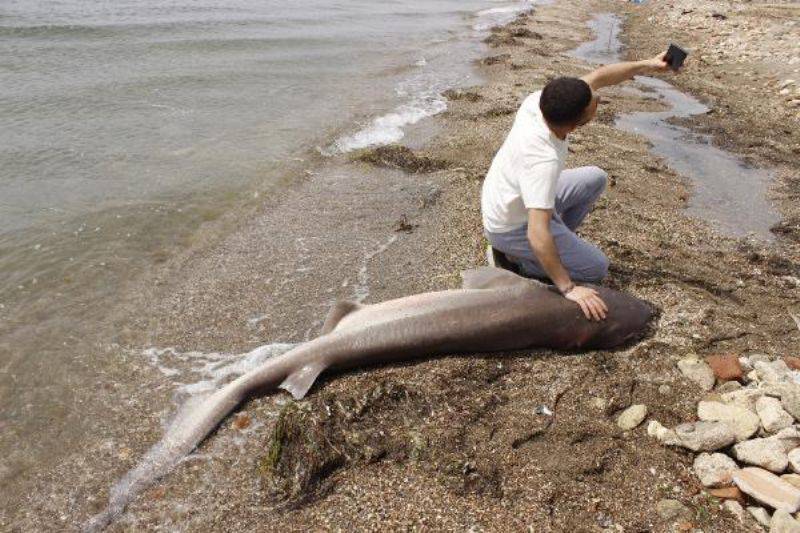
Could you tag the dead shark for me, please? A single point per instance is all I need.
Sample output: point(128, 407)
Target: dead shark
point(494, 311)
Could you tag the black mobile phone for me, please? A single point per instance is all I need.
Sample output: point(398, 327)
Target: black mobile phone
point(675, 56)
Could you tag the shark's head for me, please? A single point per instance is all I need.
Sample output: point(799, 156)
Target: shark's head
point(628, 320)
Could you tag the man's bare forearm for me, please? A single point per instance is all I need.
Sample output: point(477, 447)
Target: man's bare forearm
point(616, 73)
point(544, 247)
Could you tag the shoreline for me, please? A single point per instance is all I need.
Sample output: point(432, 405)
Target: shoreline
point(657, 252)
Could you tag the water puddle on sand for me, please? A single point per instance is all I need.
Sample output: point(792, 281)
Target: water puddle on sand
point(727, 193)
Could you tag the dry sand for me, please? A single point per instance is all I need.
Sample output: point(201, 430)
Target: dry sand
point(456, 443)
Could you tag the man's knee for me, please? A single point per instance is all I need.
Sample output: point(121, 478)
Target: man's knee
point(599, 179)
point(595, 269)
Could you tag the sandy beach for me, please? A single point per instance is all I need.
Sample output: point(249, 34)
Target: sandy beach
point(459, 443)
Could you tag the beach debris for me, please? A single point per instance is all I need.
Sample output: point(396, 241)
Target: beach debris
point(242, 421)
point(697, 371)
point(792, 362)
point(543, 410)
point(726, 367)
point(632, 417)
point(714, 469)
point(403, 225)
point(400, 157)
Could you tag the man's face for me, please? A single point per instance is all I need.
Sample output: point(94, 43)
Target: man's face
point(589, 112)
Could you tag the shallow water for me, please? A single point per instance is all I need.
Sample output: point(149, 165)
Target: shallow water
point(727, 193)
point(130, 125)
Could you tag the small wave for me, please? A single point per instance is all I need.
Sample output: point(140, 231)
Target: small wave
point(497, 16)
point(196, 372)
point(388, 128)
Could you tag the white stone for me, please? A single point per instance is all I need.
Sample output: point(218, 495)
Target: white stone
point(664, 435)
point(788, 437)
point(697, 371)
point(782, 522)
point(705, 436)
point(632, 417)
point(714, 469)
point(773, 416)
point(766, 453)
point(746, 398)
point(772, 372)
point(794, 460)
point(735, 508)
point(760, 514)
point(743, 422)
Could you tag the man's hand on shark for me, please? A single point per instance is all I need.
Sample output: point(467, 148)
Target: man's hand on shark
point(589, 299)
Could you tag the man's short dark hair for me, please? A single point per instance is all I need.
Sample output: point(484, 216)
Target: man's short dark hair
point(564, 100)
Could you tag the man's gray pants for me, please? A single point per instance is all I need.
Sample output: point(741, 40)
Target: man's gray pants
point(576, 191)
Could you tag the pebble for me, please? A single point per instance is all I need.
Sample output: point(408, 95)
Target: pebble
point(766, 453)
point(792, 479)
point(746, 398)
point(773, 416)
point(782, 522)
point(788, 437)
point(735, 508)
point(673, 510)
point(664, 435)
point(744, 422)
point(632, 417)
point(705, 436)
point(792, 362)
point(772, 372)
point(714, 469)
point(728, 493)
point(760, 514)
point(790, 400)
point(725, 367)
point(768, 489)
point(697, 371)
point(794, 460)
point(728, 386)
point(664, 389)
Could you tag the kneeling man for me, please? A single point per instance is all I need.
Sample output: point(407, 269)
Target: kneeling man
point(531, 206)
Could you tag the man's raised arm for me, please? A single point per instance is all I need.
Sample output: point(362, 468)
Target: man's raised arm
point(618, 72)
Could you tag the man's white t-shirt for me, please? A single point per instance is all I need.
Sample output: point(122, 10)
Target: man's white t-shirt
point(524, 171)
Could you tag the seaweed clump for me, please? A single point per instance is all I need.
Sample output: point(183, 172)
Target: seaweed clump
point(402, 157)
point(315, 438)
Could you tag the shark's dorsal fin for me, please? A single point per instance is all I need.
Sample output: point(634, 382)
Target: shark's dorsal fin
point(339, 310)
point(490, 278)
point(300, 381)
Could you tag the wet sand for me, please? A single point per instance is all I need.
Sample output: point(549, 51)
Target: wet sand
point(454, 443)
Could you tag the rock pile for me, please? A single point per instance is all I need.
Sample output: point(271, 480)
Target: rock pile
point(747, 435)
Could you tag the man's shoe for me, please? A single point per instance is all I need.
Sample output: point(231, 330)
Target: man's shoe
point(498, 259)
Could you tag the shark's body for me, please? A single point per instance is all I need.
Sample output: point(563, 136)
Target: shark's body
point(494, 311)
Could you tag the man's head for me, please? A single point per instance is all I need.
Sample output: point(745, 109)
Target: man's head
point(567, 103)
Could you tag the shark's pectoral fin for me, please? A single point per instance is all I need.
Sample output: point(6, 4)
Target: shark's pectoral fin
point(490, 278)
point(300, 381)
point(339, 310)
